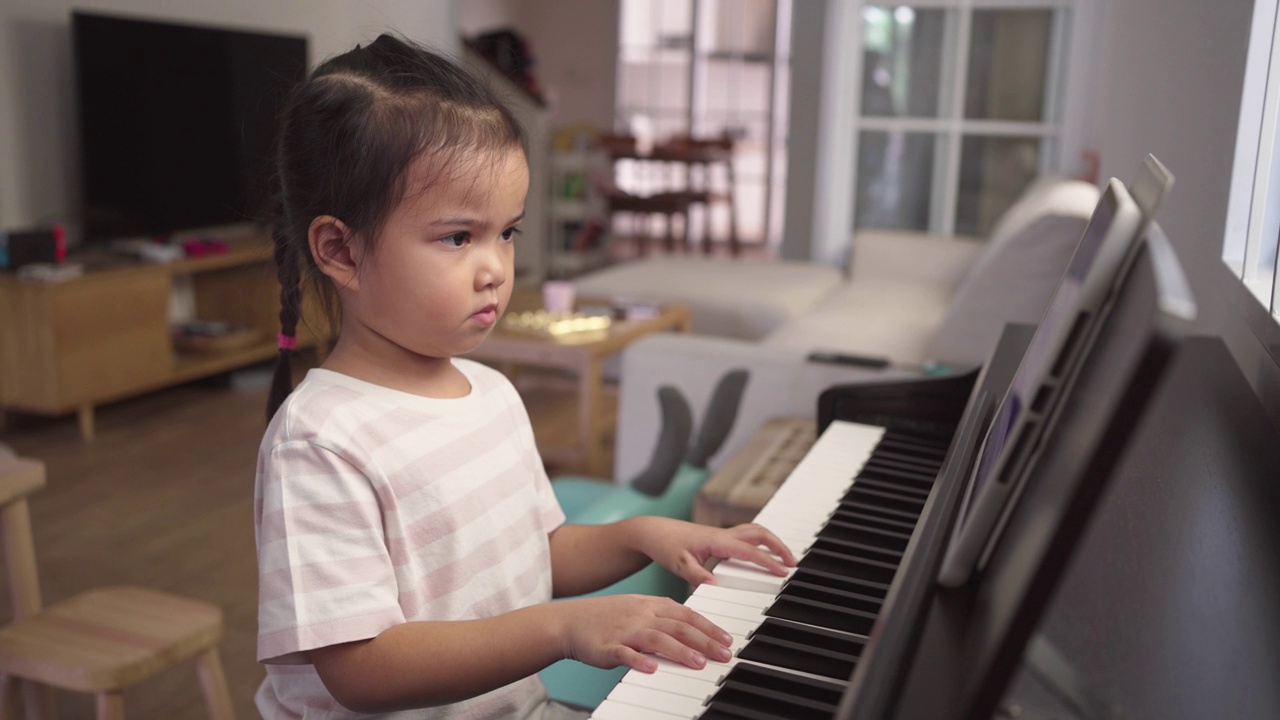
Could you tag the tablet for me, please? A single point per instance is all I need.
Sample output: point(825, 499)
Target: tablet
point(1060, 340)
point(1150, 186)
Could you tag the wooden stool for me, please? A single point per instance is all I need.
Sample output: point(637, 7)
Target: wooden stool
point(101, 641)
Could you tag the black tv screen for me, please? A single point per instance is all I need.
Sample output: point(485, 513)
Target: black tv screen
point(176, 122)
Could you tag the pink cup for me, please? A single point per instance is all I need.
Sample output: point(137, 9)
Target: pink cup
point(557, 296)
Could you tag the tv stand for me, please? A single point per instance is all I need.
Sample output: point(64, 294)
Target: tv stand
point(69, 346)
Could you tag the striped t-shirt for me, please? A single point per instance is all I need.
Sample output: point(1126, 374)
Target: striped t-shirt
point(375, 507)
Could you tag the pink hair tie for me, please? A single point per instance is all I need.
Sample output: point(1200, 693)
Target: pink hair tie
point(286, 342)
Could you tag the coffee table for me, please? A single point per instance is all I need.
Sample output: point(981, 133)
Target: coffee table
point(584, 356)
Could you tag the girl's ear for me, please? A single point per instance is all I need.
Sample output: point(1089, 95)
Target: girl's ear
point(335, 251)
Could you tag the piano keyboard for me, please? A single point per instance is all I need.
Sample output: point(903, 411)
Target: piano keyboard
point(796, 639)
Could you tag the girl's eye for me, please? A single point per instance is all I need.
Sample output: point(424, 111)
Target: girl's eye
point(511, 233)
point(456, 240)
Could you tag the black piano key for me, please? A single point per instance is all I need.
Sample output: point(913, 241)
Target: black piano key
point(856, 549)
point(911, 467)
point(867, 517)
point(848, 565)
point(909, 455)
point(836, 581)
point(896, 477)
point(856, 532)
point(916, 445)
point(901, 490)
point(868, 601)
point(870, 506)
point(757, 689)
point(892, 494)
point(919, 466)
point(817, 651)
point(831, 616)
point(883, 500)
point(726, 711)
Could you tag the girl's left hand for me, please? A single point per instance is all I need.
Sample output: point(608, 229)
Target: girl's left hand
point(684, 548)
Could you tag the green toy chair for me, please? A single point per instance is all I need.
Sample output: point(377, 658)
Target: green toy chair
point(666, 488)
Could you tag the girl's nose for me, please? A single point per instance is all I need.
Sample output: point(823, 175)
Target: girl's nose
point(493, 265)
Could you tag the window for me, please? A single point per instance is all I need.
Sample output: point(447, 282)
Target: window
point(959, 110)
point(706, 68)
point(1253, 210)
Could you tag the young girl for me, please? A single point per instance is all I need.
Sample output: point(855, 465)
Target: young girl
point(408, 539)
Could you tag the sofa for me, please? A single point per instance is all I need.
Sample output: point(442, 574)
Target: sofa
point(917, 303)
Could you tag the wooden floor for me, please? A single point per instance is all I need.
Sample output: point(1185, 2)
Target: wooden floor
point(164, 498)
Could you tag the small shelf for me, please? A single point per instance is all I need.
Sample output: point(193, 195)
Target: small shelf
point(579, 222)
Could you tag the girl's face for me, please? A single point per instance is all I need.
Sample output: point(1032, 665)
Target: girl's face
point(440, 274)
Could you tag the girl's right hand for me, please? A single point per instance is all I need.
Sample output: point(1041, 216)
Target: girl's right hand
point(616, 630)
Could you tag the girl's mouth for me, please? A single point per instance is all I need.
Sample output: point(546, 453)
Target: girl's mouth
point(487, 316)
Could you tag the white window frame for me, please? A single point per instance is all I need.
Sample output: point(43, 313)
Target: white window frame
point(1253, 206)
point(823, 234)
point(951, 127)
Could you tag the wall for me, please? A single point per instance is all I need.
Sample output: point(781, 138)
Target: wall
point(575, 48)
point(1174, 72)
point(38, 145)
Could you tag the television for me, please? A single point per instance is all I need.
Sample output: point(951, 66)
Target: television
point(176, 122)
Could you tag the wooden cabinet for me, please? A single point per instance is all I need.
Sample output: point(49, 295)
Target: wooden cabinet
point(70, 345)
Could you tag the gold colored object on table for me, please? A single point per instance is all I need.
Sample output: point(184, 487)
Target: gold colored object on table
point(567, 326)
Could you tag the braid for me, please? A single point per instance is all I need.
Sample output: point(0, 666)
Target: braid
point(287, 271)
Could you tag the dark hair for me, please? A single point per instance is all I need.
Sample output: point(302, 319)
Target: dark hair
point(345, 141)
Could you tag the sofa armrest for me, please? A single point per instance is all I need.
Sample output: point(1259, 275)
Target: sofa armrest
point(781, 383)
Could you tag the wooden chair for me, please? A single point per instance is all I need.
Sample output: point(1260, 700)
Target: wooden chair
point(670, 205)
point(101, 641)
point(694, 159)
point(699, 156)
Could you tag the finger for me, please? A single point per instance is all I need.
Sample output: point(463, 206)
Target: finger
point(708, 643)
point(707, 628)
point(689, 569)
point(758, 535)
point(755, 555)
point(665, 639)
point(635, 660)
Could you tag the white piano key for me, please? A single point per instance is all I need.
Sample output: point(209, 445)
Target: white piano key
point(656, 700)
point(737, 627)
point(712, 606)
point(746, 576)
point(739, 597)
point(742, 591)
point(613, 710)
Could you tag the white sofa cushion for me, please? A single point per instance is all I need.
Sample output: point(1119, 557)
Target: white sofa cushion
point(733, 298)
point(1045, 197)
point(1018, 272)
point(1015, 286)
point(879, 318)
point(913, 257)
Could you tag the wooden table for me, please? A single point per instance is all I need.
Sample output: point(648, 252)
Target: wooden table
point(584, 356)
